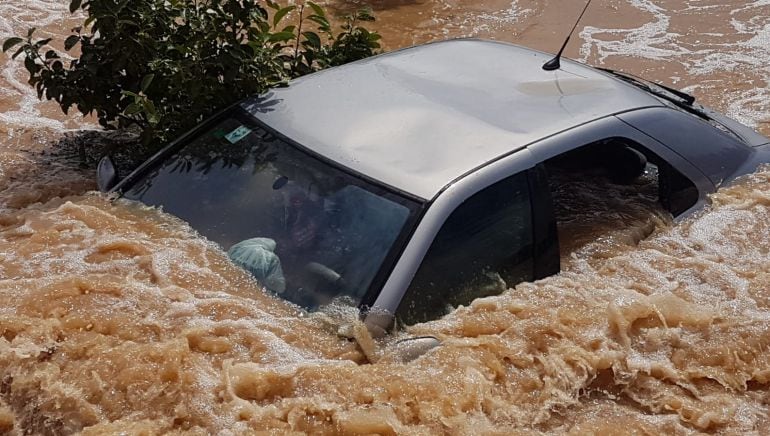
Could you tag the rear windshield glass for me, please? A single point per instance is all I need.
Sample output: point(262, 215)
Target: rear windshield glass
point(305, 229)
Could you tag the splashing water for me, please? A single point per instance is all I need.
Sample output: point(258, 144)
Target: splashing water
point(117, 318)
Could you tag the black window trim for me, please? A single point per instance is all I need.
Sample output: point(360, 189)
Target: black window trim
point(545, 238)
point(238, 112)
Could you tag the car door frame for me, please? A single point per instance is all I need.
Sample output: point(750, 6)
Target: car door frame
point(615, 127)
point(379, 316)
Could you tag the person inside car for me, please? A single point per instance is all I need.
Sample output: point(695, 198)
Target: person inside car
point(287, 249)
point(257, 256)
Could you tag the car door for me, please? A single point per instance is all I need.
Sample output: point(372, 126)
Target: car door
point(485, 246)
point(615, 127)
point(501, 213)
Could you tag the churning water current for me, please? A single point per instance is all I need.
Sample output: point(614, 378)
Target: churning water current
point(119, 318)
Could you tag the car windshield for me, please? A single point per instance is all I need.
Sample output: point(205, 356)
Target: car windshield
point(305, 229)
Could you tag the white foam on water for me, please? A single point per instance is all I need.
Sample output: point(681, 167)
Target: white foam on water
point(15, 19)
point(520, 359)
point(702, 56)
point(651, 40)
point(511, 15)
point(464, 24)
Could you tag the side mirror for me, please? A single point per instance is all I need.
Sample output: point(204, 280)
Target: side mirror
point(379, 322)
point(106, 174)
point(402, 351)
point(409, 349)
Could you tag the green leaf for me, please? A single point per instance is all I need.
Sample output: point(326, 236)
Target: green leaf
point(30, 32)
point(152, 113)
point(149, 107)
point(321, 21)
point(132, 109)
point(75, 5)
point(365, 14)
point(313, 39)
point(11, 42)
point(281, 13)
point(42, 42)
point(281, 37)
point(146, 81)
point(317, 9)
point(71, 41)
point(18, 52)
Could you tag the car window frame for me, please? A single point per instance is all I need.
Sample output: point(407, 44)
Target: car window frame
point(379, 315)
point(236, 110)
point(546, 253)
point(702, 145)
point(615, 127)
point(527, 185)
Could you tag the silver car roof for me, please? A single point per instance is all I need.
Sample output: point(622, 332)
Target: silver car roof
point(419, 118)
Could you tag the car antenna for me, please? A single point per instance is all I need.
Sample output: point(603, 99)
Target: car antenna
point(555, 64)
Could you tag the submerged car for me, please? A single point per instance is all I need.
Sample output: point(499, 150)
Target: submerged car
point(416, 180)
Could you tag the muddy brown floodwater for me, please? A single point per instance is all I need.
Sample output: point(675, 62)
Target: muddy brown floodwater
point(116, 318)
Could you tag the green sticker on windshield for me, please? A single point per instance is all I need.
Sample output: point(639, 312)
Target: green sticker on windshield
point(237, 134)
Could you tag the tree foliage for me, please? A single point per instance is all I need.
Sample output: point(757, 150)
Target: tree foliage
point(167, 64)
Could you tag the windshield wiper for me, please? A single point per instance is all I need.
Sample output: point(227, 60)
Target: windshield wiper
point(680, 99)
point(645, 84)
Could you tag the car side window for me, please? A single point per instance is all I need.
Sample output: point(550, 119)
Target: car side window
point(483, 247)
